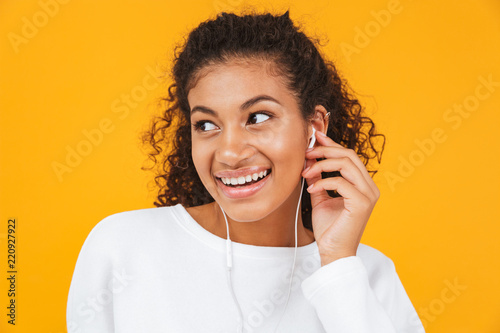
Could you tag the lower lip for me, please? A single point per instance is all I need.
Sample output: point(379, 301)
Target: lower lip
point(242, 192)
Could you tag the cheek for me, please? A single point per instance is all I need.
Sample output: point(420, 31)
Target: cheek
point(202, 160)
point(287, 153)
point(282, 139)
point(199, 160)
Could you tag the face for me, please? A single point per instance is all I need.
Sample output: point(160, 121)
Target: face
point(248, 140)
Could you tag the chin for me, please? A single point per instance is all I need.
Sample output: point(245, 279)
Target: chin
point(245, 212)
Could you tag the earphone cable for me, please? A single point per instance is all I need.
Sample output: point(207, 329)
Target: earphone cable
point(294, 257)
point(229, 257)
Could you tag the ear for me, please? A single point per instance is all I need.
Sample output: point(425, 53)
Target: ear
point(313, 137)
point(320, 119)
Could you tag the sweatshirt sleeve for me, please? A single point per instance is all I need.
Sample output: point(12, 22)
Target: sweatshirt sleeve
point(90, 297)
point(347, 299)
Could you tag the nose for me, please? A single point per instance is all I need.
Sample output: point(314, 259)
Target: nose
point(233, 147)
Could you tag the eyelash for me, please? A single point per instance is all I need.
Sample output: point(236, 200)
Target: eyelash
point(198, 124)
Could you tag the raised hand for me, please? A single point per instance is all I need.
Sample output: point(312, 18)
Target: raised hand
point(338, 223)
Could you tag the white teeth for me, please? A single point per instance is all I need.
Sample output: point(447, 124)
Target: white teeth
point(243, 179)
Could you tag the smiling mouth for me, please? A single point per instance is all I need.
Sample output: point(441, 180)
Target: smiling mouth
point(241, 181)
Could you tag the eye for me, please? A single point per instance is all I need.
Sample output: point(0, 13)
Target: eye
point(204, 126)
point(258, 117)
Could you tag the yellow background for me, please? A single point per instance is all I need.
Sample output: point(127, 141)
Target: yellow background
point(439, 222)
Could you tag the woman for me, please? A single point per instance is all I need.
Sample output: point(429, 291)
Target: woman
point(250, 95)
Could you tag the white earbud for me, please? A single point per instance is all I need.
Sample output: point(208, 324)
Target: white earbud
point(311, 144)
point(313, 138)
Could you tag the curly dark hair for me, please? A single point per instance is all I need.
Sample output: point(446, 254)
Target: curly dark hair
point(277, 40)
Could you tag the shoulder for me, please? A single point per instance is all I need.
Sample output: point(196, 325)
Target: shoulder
point(136, 218)
point(373, 258)
point(131, 226)
point(380, 267)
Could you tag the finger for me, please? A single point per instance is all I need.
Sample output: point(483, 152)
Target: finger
point(352, 196)
point(339, 152)
point(347, 169)
point(325, 140)
point(309, 164)
point(328, 142)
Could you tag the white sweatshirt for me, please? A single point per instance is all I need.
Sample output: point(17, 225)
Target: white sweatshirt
point(157, 270)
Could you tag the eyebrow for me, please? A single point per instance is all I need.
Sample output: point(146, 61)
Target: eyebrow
point(252, 101)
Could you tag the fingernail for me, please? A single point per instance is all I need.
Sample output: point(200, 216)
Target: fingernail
point(321, 133)
point(305, 170)
point(309, 149)
point(310, 187)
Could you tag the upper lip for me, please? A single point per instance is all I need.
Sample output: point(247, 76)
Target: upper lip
point(240, 172)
